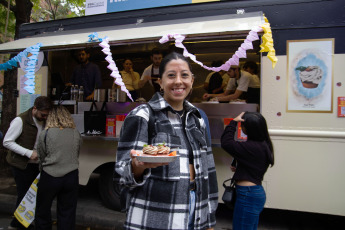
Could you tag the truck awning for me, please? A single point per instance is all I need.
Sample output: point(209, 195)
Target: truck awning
point(140, 32)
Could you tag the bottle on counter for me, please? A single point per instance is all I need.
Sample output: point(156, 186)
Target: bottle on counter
point(76, 92)
point(72, 92)
point(113, 92)
point(81, 94)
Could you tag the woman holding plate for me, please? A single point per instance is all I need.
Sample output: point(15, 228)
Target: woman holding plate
point(181, 194)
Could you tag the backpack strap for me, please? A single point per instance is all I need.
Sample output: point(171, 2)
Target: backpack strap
point(208, 131)
point(152, 119)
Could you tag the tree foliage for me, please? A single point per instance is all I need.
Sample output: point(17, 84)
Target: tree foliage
point(45, 10)
point(25, 11)
point(11, 24)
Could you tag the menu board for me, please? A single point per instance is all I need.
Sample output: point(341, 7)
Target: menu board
point(240, 133)
point(341, 106)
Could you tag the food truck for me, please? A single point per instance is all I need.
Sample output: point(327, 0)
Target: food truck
point(305, 116)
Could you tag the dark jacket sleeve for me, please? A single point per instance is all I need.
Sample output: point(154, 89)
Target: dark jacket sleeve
point(228, 137)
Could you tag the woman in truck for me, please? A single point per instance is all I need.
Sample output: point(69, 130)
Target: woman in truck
point(130, 78)
point(181, 194)
point(253, 158)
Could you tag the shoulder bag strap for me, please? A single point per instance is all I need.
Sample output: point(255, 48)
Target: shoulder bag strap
point(45, 138)
point(104, 106)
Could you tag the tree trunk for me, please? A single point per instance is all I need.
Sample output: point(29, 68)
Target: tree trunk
point(9, 108)
point(22, 13)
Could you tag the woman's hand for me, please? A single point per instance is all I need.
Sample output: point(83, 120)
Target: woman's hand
point(139, 167)
point(239, 117)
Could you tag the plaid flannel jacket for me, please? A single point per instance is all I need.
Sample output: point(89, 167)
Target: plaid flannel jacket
point(161, 200)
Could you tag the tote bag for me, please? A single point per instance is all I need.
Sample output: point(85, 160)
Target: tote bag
point(95, 121)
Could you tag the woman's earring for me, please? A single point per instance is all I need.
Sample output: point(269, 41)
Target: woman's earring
point(161, 91)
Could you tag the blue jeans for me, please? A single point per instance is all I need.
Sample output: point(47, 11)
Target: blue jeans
point(191, 210)
point(250, 201)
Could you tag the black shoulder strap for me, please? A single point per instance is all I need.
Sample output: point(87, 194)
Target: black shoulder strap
point(152, 118)
point(45, 138)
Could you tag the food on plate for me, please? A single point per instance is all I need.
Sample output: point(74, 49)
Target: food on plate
point(159, 150)
point(163, 149)
point(150, 149)
point(173, 153)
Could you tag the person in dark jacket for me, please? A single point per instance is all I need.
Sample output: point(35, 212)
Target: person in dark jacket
point(21, 140)
point(253, 158)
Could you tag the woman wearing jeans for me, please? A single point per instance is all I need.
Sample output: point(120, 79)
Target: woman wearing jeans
point(184, 193)
point(253, 158)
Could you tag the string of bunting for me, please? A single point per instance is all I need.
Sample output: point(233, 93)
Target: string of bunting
point(104, 43)
point(30, 69)
point(266, 46)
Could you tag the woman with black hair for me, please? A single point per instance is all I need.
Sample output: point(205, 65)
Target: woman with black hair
point(253, 158)
point(184, 193)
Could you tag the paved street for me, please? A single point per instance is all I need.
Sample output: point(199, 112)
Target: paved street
point(91, 214)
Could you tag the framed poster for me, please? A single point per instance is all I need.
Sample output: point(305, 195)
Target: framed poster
point(310, 75)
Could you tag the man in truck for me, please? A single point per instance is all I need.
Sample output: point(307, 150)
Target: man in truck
point(151, 73)
point(21, 140)
point(86, 74)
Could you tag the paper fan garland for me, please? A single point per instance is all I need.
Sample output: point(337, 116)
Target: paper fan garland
point(29, 70)
point(266, 46)
point(104, 43)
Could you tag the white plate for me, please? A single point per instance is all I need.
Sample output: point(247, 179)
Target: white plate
point(210, 102)
point(237, 102)
point(157, 159)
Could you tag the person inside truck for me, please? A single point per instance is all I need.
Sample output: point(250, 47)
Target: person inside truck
point(151, 73)
point(253, 158)
point(182, 194)
point(86, 74)
point(130, 78)
point(216, 82)
point(240, 84)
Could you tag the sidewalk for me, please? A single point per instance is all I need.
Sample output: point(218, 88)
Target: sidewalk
point(92, 214)
point(90, 211)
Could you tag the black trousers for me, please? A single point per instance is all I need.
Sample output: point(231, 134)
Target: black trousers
point(23, 179)
point(66, 190)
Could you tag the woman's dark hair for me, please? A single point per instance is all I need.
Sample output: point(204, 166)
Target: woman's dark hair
point(168, 58)
point(255, 127)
